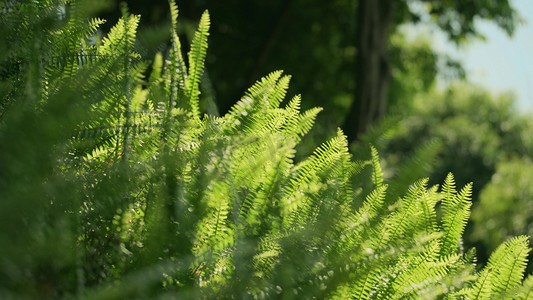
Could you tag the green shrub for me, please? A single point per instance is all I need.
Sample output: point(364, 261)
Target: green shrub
point(476, 129)
point(115, 186)
point(478, 134)
point(505, 208)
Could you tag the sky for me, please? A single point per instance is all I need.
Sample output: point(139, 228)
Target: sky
point(499, 63)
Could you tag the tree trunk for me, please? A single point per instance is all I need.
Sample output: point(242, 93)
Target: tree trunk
point(373, 71)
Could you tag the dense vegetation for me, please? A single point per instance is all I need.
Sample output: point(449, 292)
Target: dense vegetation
point(114, 185)
point(479, 137)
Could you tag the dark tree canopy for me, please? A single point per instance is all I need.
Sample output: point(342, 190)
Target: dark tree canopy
point(378, 19)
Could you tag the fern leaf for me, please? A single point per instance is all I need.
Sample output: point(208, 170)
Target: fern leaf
point(263, 202)
point(177, 72)
point(268, 252)
point(371, 207)
point(482, 286)
point(196, 62)
point(408, 215)
point(264, 86)
point(363, 287)
point(424, 270)
point(254, 99)
point(174, 12)
point(456, 210)
point(377, 173)
point(157, 67)
point(508, 263)
point(306, 121)
point(121, 36)
point(253, 110)
point(294, 104)
point(296, 124)
point(523, 292)
point(427, 203)
point(448, 188)
point(323, 157)
point(279, 92)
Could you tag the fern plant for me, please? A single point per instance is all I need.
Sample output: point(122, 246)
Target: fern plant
point(115, 186)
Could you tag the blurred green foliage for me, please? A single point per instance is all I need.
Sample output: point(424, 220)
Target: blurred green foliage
point(414, 70)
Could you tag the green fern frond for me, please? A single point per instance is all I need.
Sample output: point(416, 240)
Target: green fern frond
point(419, 271)
point(157, 68)
point(408, 215)
point(77, 28)
point(264, 87)
point(265, 260)
point(303, 123)
point(214, 230)
point(326, 162)
point(250, 111)
point(279, 91)
point(101, 152)
point(360, 224)
point(176, 72)
point(121, 37)
point(503, 274)
point(294, 104)
point(448, 188)
point(365, 286)
point(272, 121)
point(377, 173)
point(372, 205)
point(523, 292)
point(430, 273)
point(174, 12)
point(456, 210)
point(73, 50)
point(428, 201)
point(196, 62)
point(508, 263)
point(482, 287)
point(263, 203)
